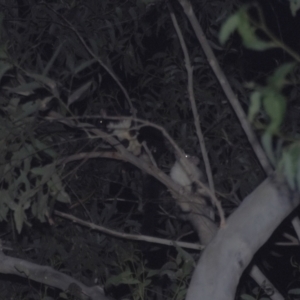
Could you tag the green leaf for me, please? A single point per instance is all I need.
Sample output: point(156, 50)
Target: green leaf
point(249, 37)
point(46, 172)
point(277, 80)
point(152, 273)
point(255, 105)
point(122, 278)
point(19, 217)
point(84, 65)
point(26, 89)
point(44, 148)
point(247, 297)
point(181, 294)
point(229, 26)
point(275, 106)
point(45, 80)
point(294, 6)
point(56, 189)
point(75, 96)
point(64, 296)
point(27, 109)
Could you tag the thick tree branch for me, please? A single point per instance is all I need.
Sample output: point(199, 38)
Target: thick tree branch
point(247, 229)
point(50, 277)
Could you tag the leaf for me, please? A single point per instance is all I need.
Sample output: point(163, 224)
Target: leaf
point(228, 27)
point(294, 6)
point(44, 148)
point(56, 189)
point(255, 105)
point(171, 274)
point(46, 172)
point(187, 257)
point(181, 294)
point(45, 80)
point(152, 273)
point(240, 22)
point(25, 89)
point(64, 296)
point(27, 109)
point(247, 297)
point(275, 105)
point(19, 217)
point(248, 35)
point(122, 278)
point(63, 197)
point(84, 65)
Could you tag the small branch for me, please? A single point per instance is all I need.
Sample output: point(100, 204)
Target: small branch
point(129, 236)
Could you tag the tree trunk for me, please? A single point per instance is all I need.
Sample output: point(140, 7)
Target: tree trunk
point(221, 265)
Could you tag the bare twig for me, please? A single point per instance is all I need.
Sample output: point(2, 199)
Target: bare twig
point(48, 276)
point(129, 236)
